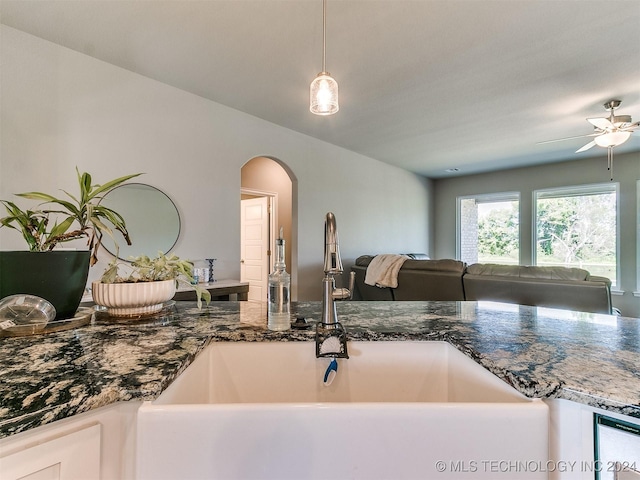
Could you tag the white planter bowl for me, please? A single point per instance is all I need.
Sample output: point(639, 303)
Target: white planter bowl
point(133, 299)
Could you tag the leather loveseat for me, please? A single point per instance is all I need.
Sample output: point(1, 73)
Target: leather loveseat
point(556, 287)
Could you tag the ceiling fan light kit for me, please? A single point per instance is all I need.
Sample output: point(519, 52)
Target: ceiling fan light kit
point(612, 139)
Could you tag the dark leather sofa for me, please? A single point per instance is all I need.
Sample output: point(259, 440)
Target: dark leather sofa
point(424, 279)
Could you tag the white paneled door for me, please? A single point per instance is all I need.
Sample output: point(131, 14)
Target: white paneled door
point(254, 246)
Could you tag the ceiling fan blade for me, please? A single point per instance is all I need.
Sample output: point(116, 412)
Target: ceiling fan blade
point(586, 147)
point(601, 123)
point(568, 138)
point(621, 120)
point(630, 128)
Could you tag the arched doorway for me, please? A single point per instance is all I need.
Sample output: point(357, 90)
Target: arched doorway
point(268, 198)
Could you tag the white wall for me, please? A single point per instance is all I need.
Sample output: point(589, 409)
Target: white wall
point(526, 180)
point(62, 109)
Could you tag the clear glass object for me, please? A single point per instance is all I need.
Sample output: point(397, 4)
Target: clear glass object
point(324, 95)
point(279, 302)
point(27, 313)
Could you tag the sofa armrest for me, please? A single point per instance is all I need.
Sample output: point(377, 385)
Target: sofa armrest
point(595, 278)
point(362, 291)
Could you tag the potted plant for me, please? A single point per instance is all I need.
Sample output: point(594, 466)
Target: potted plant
point(146, 284)
point(58, 276)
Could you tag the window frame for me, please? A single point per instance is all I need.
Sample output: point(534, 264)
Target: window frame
point(575, 191)
point(509, 196)
point(636, 293)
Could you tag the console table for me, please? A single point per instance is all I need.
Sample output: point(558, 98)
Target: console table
point(220, 290)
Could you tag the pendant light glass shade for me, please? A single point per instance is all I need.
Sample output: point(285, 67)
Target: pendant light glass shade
point(612, 139)
point(324, 95)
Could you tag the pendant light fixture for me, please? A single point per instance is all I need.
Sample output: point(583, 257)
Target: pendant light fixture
point(324, 89)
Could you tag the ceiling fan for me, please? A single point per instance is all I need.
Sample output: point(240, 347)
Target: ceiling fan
point(608, 132)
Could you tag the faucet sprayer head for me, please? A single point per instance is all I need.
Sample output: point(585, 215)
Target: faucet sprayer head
point(332, 260)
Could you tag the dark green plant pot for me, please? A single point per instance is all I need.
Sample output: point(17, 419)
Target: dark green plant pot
point(59, 277)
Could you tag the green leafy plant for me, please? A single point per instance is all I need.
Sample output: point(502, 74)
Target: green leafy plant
point(31, 223)
point(83, 212)
point(162, 267)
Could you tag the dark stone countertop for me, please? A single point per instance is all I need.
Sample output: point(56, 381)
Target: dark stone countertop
point(588, 358)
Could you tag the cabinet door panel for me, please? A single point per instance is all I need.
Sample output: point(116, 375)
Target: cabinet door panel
point(72, 456)
point(52, 472)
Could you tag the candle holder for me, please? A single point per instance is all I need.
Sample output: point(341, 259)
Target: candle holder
point(211, 261)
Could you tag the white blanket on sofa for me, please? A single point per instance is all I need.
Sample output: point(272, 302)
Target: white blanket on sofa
point(383, 270)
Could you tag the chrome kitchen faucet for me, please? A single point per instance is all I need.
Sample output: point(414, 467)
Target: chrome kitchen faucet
point(331, 338)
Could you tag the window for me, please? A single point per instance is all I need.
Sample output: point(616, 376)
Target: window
point(577, 227)
point(488, 228)
point(637, 292)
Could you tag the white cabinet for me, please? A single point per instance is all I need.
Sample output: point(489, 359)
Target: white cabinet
point(71, 456)
point(99, 444)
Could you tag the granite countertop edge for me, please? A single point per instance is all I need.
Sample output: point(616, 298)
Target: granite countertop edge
point(192, 332)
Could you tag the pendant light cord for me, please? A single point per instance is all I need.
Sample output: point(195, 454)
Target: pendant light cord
point(323, 91)
point(324, 35)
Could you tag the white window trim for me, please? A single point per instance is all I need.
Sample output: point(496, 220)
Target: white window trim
point(637, 292)
point(579, 190)
point(487, 198)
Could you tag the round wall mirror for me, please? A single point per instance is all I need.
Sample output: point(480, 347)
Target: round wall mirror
point(151, 216)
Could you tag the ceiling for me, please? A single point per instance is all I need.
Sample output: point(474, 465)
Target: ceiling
point(427, 85)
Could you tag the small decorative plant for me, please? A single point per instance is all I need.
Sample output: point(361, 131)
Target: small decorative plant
point(162, 267)
point(31, 223)
point(82, 212)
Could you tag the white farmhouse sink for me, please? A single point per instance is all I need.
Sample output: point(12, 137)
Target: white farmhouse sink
point(395, 410)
